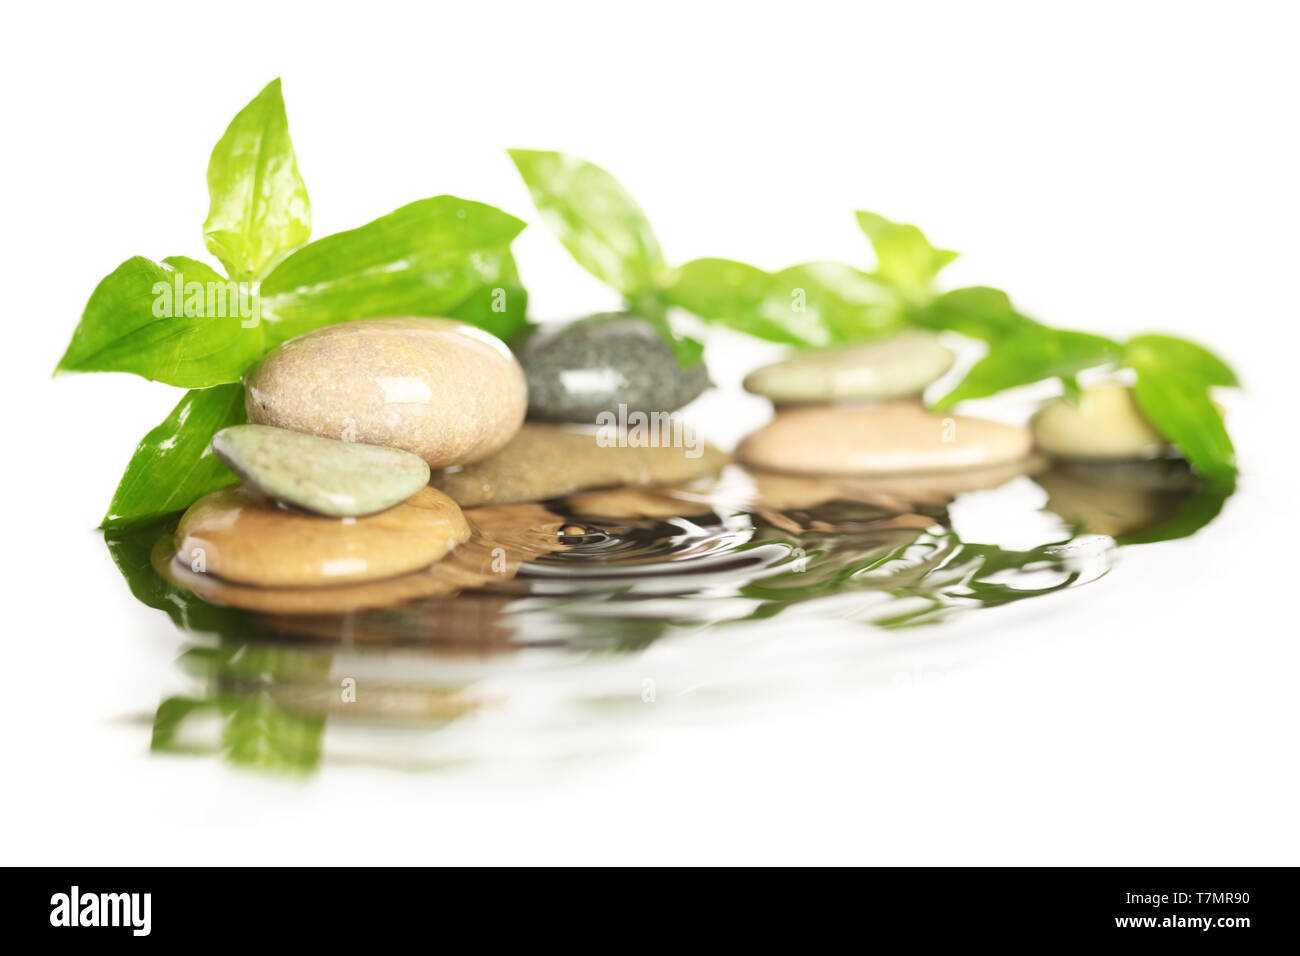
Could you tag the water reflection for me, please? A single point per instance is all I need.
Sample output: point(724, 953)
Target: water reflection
point(598, 579)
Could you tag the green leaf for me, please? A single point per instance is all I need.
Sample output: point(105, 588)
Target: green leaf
point(500, 304)
point(132, 549)
point(179, 322)
point(904, 257)
point(747, 299)
point(687, 351)
point(850, 303)
point(595, 218)
point(1195, 512)
point(1173, 389)
point(174, 465)
point(1029, 355)
point(1193, 360)
point(422, 259)
point(809, 305)
point(976, 311)
point(259, 209)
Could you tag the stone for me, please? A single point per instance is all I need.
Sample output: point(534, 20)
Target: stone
point(888, 438)
point(502, 538)
point(239, 536)
point(578, 370)
point(547, 461)
point(1105, 424)
point(327, 477)
point(896, 367)
point(301, 599)
point(444, 390)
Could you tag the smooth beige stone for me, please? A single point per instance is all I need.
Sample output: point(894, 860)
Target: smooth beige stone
point(896, 367)
point(1106, 423)
point(449, 392)
point(336, 599)
point(547, 461)
point(889, 438)
point(502, 538)
point(238, 536)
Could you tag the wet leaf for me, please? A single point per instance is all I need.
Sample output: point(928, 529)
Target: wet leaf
point(174, 465)
point(595, 218)
point(177, 322)
point(259, 208)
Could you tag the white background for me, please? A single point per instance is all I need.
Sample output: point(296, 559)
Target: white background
point(1117, 167)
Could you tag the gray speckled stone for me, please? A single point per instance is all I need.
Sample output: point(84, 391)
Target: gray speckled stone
point(595, 364)
point(328, 477)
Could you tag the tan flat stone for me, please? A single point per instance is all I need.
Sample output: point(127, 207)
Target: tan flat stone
point(547, 461)
point(444, 390)
point(338, 599)
point(235, 535)
point(502, 538)
point(897, 437)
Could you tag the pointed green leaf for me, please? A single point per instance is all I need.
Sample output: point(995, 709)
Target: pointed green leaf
point(746, 299)
point(1193, 360)
point(500, 304)
point(595, 218)
point(904, 257)
point(174, 465)
point(259, 210)
point(809, 305)
point(177, 322)
point(1174, 377)
point(1031, 355)
point(422, 259)
point(851, 304)
point(976, 311)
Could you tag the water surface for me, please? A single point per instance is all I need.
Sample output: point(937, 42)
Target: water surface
point(720, 594)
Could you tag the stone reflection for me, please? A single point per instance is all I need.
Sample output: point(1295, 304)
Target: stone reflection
point(286, 677)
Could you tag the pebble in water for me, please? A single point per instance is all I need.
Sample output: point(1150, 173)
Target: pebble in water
point(502, 538)
point(239, 536)
point(888, 438)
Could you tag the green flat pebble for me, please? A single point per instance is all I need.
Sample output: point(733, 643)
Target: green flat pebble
point(328, 477)
point(897, 367)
